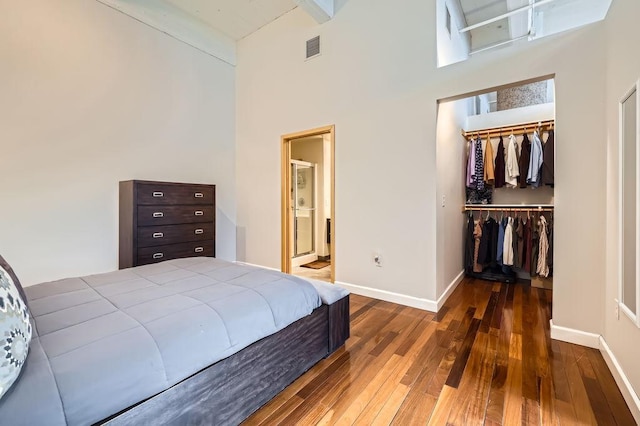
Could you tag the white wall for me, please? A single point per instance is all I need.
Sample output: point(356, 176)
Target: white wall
point(91, 97)
point(380, 89)
point(623, 70)
point(451, 152)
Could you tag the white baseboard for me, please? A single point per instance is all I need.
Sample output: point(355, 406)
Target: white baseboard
point(577, 337)
point(629, 394)
point(402, 299)
point(454, 284)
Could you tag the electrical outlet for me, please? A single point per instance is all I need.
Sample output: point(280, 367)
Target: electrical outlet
point(377, 259)
point(617, 308)
point(443, 200)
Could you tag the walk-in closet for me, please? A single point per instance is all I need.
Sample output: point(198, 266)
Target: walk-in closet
point(496, 157)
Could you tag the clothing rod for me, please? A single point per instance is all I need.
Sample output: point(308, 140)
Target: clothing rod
point(507, 209)
point(518, 129)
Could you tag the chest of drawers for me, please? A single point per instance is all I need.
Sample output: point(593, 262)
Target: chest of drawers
point(163, 220)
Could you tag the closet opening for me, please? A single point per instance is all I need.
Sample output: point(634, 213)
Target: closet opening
point(495, 155)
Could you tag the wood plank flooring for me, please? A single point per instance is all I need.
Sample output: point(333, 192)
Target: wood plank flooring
point(486, 359)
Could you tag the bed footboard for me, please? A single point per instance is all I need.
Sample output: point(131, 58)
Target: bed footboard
point(339, 330)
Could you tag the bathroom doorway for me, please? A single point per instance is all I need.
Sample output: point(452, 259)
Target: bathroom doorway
point(308, 204)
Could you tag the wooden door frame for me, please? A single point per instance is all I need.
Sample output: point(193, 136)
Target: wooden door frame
point(286, 190)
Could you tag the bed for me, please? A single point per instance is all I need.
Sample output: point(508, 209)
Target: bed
point(186, 341)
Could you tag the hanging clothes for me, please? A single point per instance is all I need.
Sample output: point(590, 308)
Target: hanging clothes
point(479, 170)
point(525, 154)
point(543, 247)
point(499, 170)
point(477, 234)
point(486, 241)
point(548, 160)
point(507, 246)
point(493, 228)
point(535, 239)
point(535, 161)
point(526, 251)
point(500, 249)
point(489, 175)
point(471, 164)
point(512, 169)
point(550, 241)
point(469, 244)
point(518, 240)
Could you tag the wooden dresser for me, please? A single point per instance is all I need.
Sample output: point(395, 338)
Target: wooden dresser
point(163, 220)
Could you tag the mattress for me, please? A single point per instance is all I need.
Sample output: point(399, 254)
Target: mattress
point(105, 342)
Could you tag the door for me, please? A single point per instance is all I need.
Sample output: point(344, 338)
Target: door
point(303, 205)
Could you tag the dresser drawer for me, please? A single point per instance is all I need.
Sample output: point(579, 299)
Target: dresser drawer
point(158, 193)
point(149, 236)
point(169, 215)
point(148, 255)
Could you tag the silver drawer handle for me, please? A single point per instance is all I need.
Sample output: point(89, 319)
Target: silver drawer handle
point(198, 250)
point(158, 194)
point(158, 214)
point(158, 255)
point(199, 231)
point(199, 213)
point(158, 235)
point(198, 195)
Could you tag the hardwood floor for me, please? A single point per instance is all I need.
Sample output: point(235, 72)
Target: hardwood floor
point(486, 358)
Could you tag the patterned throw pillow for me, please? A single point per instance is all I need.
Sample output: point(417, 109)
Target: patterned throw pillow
point(15, 331)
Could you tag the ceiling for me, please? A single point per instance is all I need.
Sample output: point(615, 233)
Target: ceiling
point(550, 17)
point(235, 18)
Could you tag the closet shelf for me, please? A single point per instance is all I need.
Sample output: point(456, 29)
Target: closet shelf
point(509, 207)
point(516, 130)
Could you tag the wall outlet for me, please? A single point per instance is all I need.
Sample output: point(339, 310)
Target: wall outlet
point(617, 308)
point(443, 201)
point(377, 260)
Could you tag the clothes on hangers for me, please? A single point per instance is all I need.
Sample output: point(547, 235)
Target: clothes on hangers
point(535, 240)
point(527, 246)
point(469, 243)
point(548, 162)
point(471, 164)
point(518, 240)
point(542, 266)
point(499, 169)
point(507, 246)
point(512, 168)
point(525, 154)
point(479, 170)
point(500, 250)
point(477, 235)
point(489, 175)
point(535, 161)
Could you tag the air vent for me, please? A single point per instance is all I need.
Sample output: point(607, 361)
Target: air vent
point(313, 47)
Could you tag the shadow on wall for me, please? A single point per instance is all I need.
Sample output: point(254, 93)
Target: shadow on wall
point(241, 244)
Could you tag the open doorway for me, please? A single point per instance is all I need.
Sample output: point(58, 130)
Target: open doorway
point(308, 213)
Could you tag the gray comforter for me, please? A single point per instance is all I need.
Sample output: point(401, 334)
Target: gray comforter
point(105, 342)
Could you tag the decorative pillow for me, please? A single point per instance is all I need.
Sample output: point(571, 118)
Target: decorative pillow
point(15, 328)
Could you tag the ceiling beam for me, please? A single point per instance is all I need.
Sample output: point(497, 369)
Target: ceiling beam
point(176, 23)
point(320, 10)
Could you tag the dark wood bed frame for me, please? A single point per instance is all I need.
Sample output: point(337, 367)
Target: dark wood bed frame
point(229, 391)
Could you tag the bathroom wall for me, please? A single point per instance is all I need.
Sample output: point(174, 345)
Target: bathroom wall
point(313, 150)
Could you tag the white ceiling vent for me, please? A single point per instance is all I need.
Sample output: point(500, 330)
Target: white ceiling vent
point(313, 47)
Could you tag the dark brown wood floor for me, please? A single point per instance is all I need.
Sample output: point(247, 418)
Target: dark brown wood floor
point(486, 358)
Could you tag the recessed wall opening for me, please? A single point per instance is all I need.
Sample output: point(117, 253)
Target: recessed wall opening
point(495, 155)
